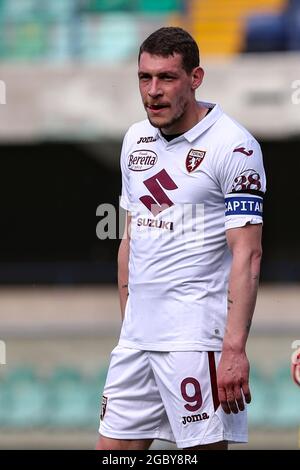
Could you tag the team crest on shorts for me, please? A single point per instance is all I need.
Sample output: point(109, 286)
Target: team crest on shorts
point(193, 159)
point(103, 407)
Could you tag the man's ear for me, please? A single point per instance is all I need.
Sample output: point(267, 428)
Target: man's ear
point(197, 77)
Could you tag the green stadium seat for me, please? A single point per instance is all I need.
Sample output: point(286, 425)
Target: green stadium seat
point(2, 9)
point(100, 378)
point(108, 38)
point(109, 5)
point(259, 408)
point(28, 398)
point(71, 404)
point(59, 10)
point(97, 392)
point(23, 41)
point(19, 10)
point(60, 47)
point(286, 407)
point(159, 6)
point(5, 403)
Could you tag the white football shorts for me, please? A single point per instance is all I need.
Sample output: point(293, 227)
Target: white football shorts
point(167, 395)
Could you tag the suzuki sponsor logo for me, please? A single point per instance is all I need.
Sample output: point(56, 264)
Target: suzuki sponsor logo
point(154, 223)
point(141, 160)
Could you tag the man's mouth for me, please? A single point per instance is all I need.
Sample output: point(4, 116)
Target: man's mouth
point(157, 107)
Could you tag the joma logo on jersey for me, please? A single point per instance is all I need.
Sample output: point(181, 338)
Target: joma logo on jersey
point(194, 418)
point(142, 160)
point(193, 159)
point(146, 140)
point(244, 151)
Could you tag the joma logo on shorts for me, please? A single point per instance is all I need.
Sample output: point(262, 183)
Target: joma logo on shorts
point(194, 418)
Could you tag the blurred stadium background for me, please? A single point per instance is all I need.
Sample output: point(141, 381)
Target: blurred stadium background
point(68, 92)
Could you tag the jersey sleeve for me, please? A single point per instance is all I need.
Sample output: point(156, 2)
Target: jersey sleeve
point(125, 200)
point(243, 183)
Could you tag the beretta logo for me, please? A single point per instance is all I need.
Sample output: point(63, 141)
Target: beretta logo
point(142, 160)
point(193, 159)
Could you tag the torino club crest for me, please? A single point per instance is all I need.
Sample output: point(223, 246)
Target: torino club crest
point(193, 159)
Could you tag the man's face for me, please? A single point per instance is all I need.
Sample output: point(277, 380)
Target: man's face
point(166, 91)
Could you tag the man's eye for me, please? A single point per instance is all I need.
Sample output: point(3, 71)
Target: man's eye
point(144, 77)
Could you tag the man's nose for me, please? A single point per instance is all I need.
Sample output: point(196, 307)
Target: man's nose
point(155, 89)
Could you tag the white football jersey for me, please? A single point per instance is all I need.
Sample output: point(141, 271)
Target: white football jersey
point(183, 195)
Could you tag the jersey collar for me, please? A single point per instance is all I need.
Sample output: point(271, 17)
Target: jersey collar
point(205, 123)
point(199, 128)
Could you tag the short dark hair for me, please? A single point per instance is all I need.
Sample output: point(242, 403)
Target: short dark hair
point(170, 40)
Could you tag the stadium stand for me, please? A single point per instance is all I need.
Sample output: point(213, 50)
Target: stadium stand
point(62, 30)
point(109, 38)
point(279, 31)
point(67, 398)
point(108, 31)
point(265, 33)
point(219, 26)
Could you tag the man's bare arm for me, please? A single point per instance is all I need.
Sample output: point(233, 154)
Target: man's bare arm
point(233, 369)
point(123, 258)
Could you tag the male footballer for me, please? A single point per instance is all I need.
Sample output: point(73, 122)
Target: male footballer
point(192, 185)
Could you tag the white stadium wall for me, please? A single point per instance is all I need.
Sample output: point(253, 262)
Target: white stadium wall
point(79, 102)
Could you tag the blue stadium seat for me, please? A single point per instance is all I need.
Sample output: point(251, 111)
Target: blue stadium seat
point(265, 33)
point(292, 19)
